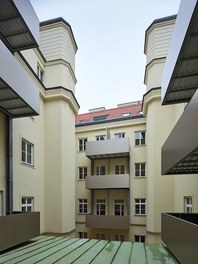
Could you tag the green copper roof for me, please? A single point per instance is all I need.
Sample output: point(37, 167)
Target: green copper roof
point(51, 249)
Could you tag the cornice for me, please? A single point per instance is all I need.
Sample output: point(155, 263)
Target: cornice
point(152, 95)
point(151, 64)
point(54, 93)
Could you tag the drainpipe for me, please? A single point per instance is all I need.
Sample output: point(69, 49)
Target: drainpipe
point(9, 166)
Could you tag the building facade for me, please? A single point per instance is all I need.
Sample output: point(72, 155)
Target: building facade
point(121, 194)
point(95, 175)
point(42, 145)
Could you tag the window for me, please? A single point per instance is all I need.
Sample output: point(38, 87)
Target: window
point(40, 72)
point(102, 137)
point(140, 239)
point(119, 237)
point(26, 152)
point(119, 207)
point(119, 135)
point(100, 207)
point(188, 204)
point(82, 235)
point(140, 206)
point(119, 169)
point(100, 118)
point(140, 138)
point(27, 204)
point(100, 170)
point(82, 144)
point(82, 206)
point(100, 236)
point(140, 169)
point(82, 173)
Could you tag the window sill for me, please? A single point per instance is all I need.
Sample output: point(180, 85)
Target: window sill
point(27, 165)
point(140, 177)
point(140, 215)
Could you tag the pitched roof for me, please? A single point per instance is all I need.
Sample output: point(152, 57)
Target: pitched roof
point(102, 115)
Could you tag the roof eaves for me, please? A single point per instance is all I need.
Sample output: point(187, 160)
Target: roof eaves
point(109, 120)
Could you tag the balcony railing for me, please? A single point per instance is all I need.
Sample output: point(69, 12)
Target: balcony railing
point(18, 228)
point(180, 235)
point(120, 181)
point(110, 148)
point(107, 221)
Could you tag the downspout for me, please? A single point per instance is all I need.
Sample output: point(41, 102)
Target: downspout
point(9, 166)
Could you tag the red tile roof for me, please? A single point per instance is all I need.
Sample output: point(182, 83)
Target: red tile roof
point(124, 111)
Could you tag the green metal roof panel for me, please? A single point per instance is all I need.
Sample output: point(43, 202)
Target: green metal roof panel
point(51, 249)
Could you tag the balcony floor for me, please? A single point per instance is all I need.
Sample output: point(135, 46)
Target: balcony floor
point(51, 249)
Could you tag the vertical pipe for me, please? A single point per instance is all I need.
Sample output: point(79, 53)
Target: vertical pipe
point(9, 166)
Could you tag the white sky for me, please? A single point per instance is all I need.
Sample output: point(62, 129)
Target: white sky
point(110, 60)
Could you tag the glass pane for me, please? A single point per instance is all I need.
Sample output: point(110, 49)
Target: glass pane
point(29, 149)
point(29, 200)
point(29, 208)
point(23, 156)
point(29, 159)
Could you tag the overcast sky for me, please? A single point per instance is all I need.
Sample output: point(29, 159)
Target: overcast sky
point(110, 60)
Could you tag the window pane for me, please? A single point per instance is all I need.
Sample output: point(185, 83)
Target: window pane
point(29, 149)
point(29, 159)
point(23, 156)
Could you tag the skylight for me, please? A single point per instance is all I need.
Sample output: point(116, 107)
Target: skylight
point(126, 114)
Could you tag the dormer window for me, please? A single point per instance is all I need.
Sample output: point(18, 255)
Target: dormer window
point(100, 118)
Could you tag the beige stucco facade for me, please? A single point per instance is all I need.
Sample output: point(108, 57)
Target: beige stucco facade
point(51, 180)
point(162, 193)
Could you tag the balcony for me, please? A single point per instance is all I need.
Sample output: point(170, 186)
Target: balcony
point(19, 30)
point(18, 228)
point(180, 235)
point(106, 149)
point(107, 221)
point(120, 181)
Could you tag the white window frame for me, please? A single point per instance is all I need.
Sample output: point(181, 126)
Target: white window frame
point(101, 170)
point(100, 207)
point(188, 204)
point(82, 144)
point(27, 152)
point(119, 207)
point(119, 135)
point(82, 206)
point(27, 204)
point(140, 206)
point(119, 237)
point(82, 173)
point(140, 169)
point(140, 138)
point(101, 137)
point(82, 234)
point(119, 169)
point(139, 238)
